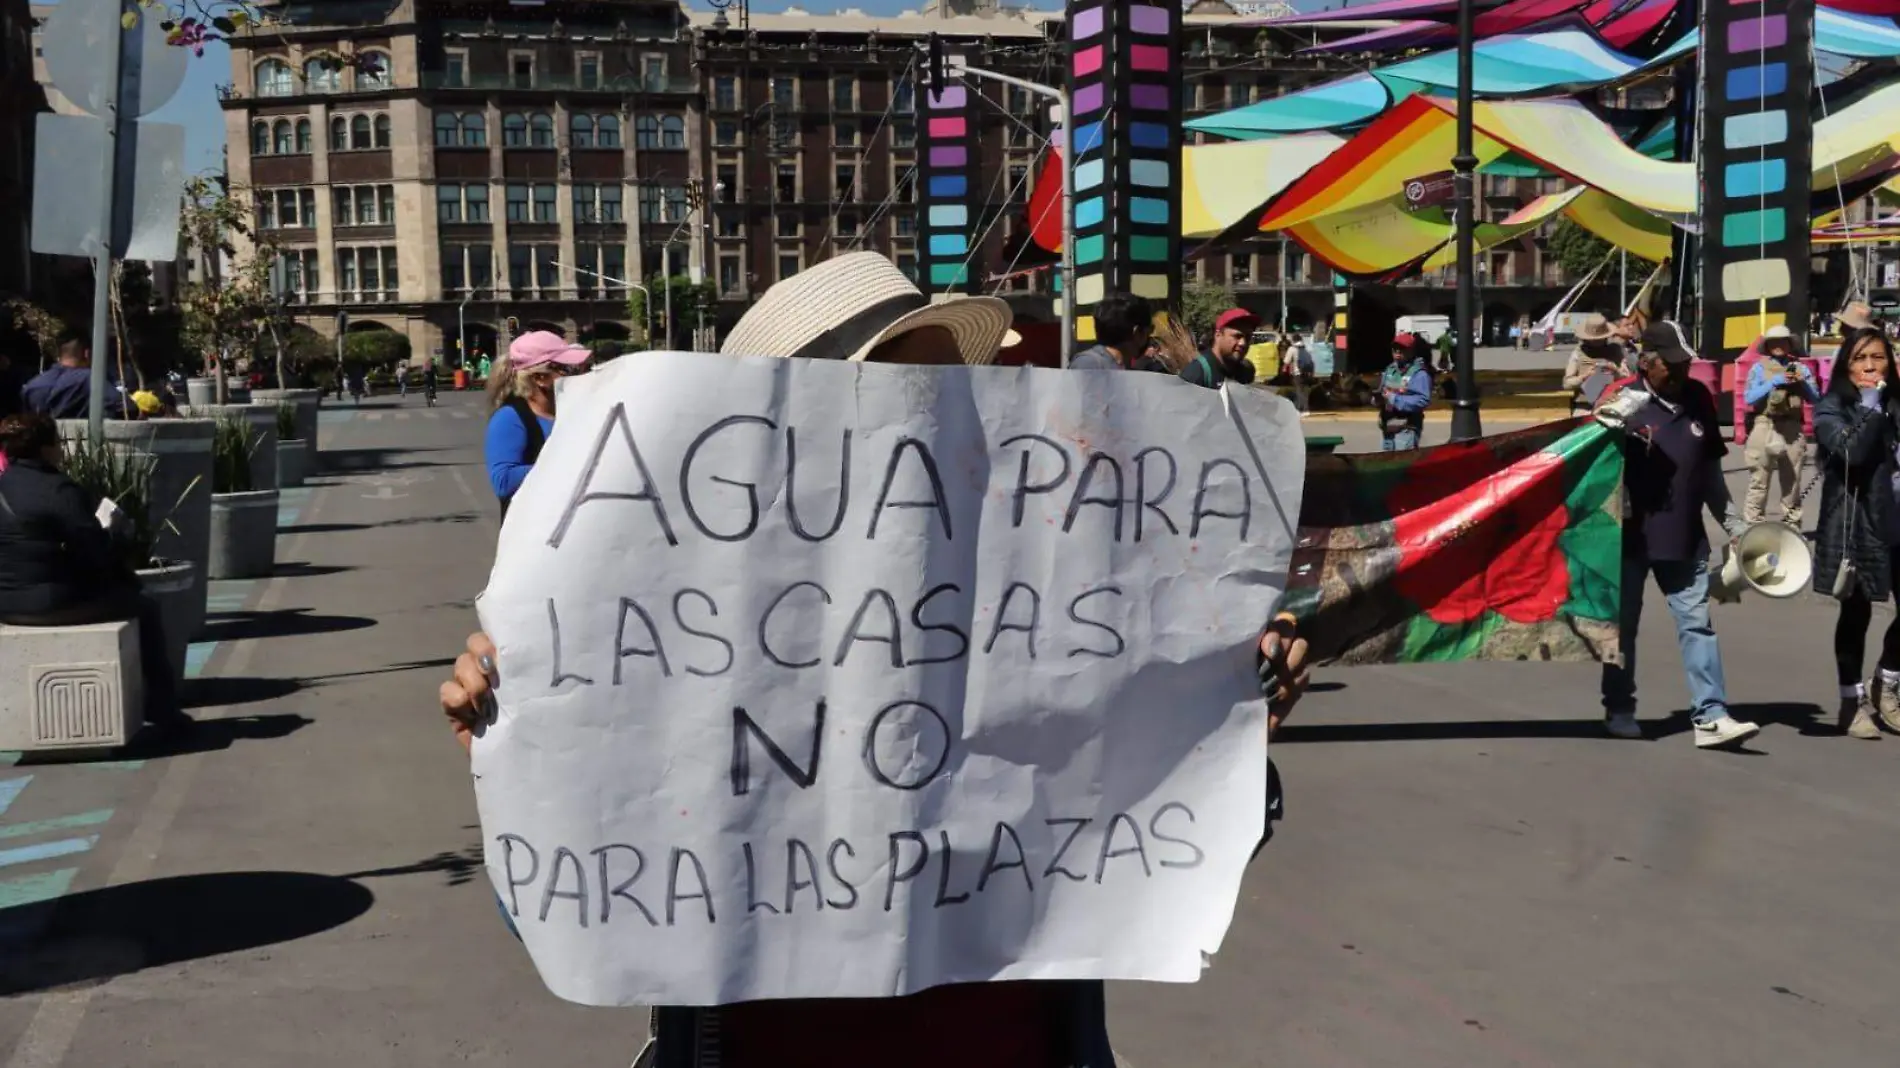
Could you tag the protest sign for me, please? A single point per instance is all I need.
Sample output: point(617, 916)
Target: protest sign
point(842, 680)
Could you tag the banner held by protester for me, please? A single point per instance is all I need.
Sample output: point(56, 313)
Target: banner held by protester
point(839, 680)
point(1505, 548)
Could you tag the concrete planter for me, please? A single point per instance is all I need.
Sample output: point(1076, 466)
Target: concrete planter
point(201, 391)
point(263, 418)
point(291, 460)
point(307, 401)
point(181, 485)
point(179, 590)
point(243, 534)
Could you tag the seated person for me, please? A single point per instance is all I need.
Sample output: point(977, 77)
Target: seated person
point(59, 566)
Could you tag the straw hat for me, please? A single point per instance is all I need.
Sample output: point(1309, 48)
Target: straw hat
point(847, 306)
point(1594, 328)
point(1857, 316)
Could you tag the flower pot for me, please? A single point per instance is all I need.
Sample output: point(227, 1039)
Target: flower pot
point(243, 534)
point(175, 585)
point(201, 391)
point(263, 419)
point(307, 402)
point(291, 460)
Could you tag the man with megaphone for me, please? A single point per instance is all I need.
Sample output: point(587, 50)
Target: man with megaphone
point(1672, 470)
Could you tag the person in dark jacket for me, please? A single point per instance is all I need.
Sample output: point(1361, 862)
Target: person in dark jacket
point(64, 390)
point(1857, 426)
point(1405, 391)
point(59, 566)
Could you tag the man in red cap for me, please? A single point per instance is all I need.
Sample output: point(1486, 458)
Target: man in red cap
point(1226, 358)
point(1405, 391)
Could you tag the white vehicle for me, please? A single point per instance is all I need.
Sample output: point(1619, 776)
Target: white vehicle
point(1429, 328)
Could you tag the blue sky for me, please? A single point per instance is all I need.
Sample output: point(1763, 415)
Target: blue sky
point(196, 105)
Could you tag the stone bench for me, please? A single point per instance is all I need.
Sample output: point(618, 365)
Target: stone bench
point(70, 687)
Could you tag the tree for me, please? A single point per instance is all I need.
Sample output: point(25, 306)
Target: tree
point(1201, 304)
point(238, 306)
point(688, 299)
point(375, 348)
point(1580, 251)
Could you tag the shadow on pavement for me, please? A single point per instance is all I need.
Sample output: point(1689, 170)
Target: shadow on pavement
point(283, 623)
point(94, 935)
point(1802, 716)
point(457, 868)
point(363, 461)
point(438, 663)
point(213, 735)
point(301, 570)
point(213, 691)
point(410, 521)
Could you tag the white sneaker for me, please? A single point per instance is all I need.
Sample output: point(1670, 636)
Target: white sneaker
point(1725, 731)
point(1623, 725)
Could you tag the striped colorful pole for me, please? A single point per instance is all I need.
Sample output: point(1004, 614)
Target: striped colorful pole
point(1754, 159)
point(946, 122)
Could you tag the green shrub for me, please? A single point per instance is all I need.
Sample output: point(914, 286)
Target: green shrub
point(231, 446)
point(124, 476)
point(286, 421)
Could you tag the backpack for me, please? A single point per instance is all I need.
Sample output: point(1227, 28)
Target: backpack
point(536, 439)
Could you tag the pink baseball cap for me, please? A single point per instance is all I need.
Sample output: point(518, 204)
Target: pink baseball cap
point(537, 347)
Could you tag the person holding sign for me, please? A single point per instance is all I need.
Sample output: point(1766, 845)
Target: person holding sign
point(755, 950)
point(524, 416)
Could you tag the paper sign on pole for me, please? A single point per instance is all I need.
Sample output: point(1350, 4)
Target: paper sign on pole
point(842, 680)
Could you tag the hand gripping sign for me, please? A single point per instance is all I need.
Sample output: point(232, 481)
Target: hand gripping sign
point(845, 680)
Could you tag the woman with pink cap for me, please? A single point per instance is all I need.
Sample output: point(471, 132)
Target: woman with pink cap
point(524, 415)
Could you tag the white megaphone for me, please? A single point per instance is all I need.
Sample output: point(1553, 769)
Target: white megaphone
point(1771, 558)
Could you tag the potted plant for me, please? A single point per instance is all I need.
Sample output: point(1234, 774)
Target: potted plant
point(124, 476)
point(243, 520)
point(291, 453)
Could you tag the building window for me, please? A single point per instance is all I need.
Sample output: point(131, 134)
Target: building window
point(904, 97)
point(286, 209)
point(729, 263)
point(903, 134)
point(359, 132)
point(320, 77)
point(303, 137)
point(613, 264)
point(784, 134)
point(514, 131)
point(374, 72)
point(341, 213)
point(847, 225)
point(475, 201)
point(581, 131)
point(610, 203)
point(296, 274)
point(467, 268)
point(521, 70)
point(789, 264)
point(544, 204)
point(585, 273)
point(448, 203)
point(455, 69)
point(1240, 269)
point(541, 130)
point(589, 67)
point(646, 131)
point(280, 137)
point(1018, 185)
point(1020, 135)
point(787, 224)
point(844, 134)
point(726, 133)
point(653, 73)
point(726, 183)
point(260, 139)
point(363, 205)
point(784, 92)
point(729, 224)
point(520, 269)
point(366, 275)
point(725, 93)
point(904, 189)
point(607, 132)
point(274, 78)
point(382, 131)
point(906, 224)
point(339, 134)
point(907, 263)
point(672, 132)
point(517, 203)
point(844, 180)
point(844, 93)
point(447, 128)
point(786, 182)
point(474, 129)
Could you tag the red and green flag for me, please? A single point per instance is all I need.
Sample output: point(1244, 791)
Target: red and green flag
point(1505, 548)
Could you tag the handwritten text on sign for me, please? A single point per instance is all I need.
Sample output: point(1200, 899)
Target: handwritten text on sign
point(832, 680)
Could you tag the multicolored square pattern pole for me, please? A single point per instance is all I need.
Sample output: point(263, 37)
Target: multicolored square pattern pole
point(1754, 159)
point(946, 178)
point(1125, 102)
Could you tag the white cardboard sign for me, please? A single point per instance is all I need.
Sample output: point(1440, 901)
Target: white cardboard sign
point(835, 680)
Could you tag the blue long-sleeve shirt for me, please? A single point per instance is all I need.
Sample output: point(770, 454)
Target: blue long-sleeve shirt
point(506, 447)
point(1760, 383)
point(1415, 397)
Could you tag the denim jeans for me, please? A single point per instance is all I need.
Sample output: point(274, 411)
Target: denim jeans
point(1685, 584)
point(1402, 440)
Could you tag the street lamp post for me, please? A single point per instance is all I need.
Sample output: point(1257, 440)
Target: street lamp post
point(1465, 422)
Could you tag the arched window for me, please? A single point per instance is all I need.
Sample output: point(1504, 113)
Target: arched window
point(646, 131)
point(446, 125)
point(382, 131)
point(280, 137)
point(359, 132)
point(514, 131)
point(672, 132)
point(319, 77)
point(374, 73)
point(474, 129)
point(303, 137)
point(260, 139)
point(339, 134)
point(273, 78)
point(541, 130)
point(581, 133)
point(607, 132)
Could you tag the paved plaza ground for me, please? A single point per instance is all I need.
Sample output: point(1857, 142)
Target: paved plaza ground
point(1470, 874)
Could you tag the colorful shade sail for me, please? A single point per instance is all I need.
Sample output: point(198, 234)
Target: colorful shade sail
point(1332, 106)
